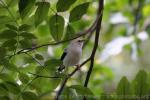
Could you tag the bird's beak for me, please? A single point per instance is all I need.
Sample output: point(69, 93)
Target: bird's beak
point(83, 40)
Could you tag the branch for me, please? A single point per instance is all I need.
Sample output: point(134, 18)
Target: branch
point(43, 76)
point(137, 15)
point(79, 34)
point(98, 27)
point(66, 79)
point(88, 39)
point(11, 14)
point(34, 59)
point(24, 88)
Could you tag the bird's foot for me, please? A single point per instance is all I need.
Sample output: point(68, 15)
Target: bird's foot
point(78, 67)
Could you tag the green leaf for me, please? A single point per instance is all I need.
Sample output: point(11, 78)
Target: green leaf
point(41, 12)
point(5, 19)
point(29, 96)
point(5, 98)
point(8, 34)
point(63, 5)
point(12, 87)
point(9, 66)
point(70, 32)
point(3, 90)
point(23, 78)
point(11, 3)
point(12, 27)
point(140, 84)
point(123, 88)
point(2, 52)
point(52, 64)
point(81, 90)
point(28, 35)
point(25, 7)
point(5, 77)
point(9, 43)
point(25, 43)
point(39, 57)
point(105, 96)
point(56, 25)
point(78, 12)
point(24, 27)
point(70, 94)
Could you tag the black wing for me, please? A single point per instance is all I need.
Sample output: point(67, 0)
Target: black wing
point(64, 55)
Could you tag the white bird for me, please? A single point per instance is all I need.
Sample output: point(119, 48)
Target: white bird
point(72, 54)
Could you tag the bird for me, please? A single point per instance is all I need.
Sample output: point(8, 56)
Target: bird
point(72, 54)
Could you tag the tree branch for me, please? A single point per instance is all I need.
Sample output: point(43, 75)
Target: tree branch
point(79, 34)
point(98, 27)
point(91, 58)
point(34, 59)
point(137, 15)
point(66, 79)
point(24, 88)
point(43, 76)
point(11, 14)
point(88, 39)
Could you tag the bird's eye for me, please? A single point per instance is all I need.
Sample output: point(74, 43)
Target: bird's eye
point(79, 40)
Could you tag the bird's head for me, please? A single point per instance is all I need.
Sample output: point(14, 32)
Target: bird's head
point(77, 42)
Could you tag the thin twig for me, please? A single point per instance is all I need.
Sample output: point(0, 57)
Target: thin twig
point(37, 76)
point(43, 76)
point(79, 34)
point(98, 27)
point(30, 82)
point(58, 93)
point(98, 24)
point(7, 8)
point(34, 59)
point(14, 20)
point(137, 15)
point(87, 39)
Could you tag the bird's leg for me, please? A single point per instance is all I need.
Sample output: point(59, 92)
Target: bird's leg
point(78, 67)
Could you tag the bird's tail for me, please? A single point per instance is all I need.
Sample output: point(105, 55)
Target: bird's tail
point(61, 68)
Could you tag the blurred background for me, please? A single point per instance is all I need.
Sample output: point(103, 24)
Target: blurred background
point(124, 43)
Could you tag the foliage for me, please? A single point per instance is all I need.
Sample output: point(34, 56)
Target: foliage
point(27, 72)
point(131, 90)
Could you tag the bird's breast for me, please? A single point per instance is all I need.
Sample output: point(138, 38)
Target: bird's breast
point(73, 57)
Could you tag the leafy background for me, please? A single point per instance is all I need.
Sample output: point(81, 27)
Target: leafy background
point(121, 67)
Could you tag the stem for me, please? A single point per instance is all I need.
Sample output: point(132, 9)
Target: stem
point(66, 79)
point(34, 59)
point(98, 27)
point(91, 58)
point(11, 14)
point(137, 16)
point(43, 76)
point(79, 34)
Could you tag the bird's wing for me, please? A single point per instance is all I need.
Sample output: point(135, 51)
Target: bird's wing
point(64, 55)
